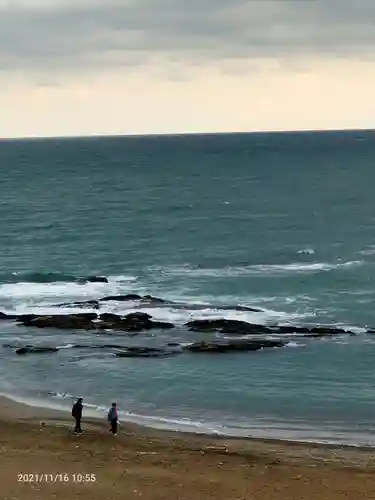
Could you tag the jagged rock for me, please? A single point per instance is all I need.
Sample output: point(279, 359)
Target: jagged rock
point(240, 308)
point(68, 321)
point(36, 350)
point(134, 296)
point(132, 322)
point(155, 300)
point(109, 317)
point(138, 316)
point(121, 298)
point(92, 279)
point(233, 345)
point(145, 352)
point(26, 319)
point(235, 327)
point(7, 316)
point(86, 303)
point(226, 326)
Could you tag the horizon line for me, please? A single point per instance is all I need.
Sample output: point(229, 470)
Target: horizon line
point(182, 134)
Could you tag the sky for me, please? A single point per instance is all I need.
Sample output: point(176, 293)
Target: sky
point(94, 67)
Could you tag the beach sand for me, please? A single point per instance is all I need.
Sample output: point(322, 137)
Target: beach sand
point(49, 462)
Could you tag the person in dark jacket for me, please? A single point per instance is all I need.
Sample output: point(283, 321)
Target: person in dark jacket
point(113, 419)
point(77, 414)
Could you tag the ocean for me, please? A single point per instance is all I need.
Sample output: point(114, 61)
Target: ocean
point(282, 222)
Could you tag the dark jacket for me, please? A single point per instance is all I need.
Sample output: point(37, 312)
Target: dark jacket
point(77, 410)
point(112, 415)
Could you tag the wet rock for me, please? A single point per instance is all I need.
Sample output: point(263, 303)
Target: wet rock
point(227, 326)
point(110, 317)
point(138, 316)
point(9, 317)
point(240, 308)
point(26, 319)
point(132, 322)
point(146, 352)
point(149, 299)
point(154, 300)
point(36, 350)
point(121, 298)
point(233, 345)
point(92, 279)
point(94, 304)
point(235, 327)
point(68, 321)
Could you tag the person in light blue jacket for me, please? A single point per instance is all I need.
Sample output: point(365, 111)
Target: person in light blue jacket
point(113, 419)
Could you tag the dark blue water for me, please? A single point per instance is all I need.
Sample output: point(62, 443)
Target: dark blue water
point(283, 222)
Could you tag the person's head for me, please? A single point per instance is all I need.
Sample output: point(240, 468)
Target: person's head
point(114, 405)
point(80, 400)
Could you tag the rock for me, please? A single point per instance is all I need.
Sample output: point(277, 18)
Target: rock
point(134, 296)
point(132, 322)
point(97, 279)
point(110, 317)
point(138, 316)
point(5, 316)
point(68, 321)
point(240, 308)
point(145, 352)
point(150, 298)
point(227, 326)
point(91, 279)
point(86, 303)
point(235, 327)
point(35, 350)
point(233, 345)
point(26, 319)
point(121, 298)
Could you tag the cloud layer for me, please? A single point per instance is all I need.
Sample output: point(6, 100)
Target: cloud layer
point(56, 34)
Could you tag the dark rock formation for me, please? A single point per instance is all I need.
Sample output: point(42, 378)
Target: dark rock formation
point(110, 317)
point(146, 352)
point(36, 350)
point(233, 345)
point(226, 326)
point(133, 322)
point(235, 327)
point(65, 321)
point(86, 303)
point(92, 279)
point(9, 317)
point(154, 300)
point(133, 296)
point(26, 319)
point(121, 298)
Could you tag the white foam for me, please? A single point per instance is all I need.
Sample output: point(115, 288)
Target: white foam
point(306, 251)
point(368, 251)
point(262, 269)
point(59, 290)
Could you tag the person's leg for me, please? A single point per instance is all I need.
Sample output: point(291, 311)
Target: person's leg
point(114, 426)
point(78, 425)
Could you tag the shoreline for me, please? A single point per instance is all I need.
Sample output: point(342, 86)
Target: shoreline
point(38, 410)
point(42, 458)
point(36, 414)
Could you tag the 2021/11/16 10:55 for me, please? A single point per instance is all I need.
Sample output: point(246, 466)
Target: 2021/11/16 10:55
point(57, 478)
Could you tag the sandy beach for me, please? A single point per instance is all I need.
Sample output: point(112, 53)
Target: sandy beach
point(42, 459)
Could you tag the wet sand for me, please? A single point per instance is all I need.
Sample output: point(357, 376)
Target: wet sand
point(42, 459)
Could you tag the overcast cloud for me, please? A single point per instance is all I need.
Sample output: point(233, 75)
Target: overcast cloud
point(56, 34)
